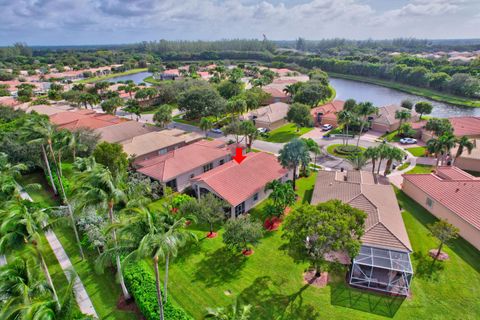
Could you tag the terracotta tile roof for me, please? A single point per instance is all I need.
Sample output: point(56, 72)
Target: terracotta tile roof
point(329, 109)
point(124, 131)
point(271, 113)
point(150, 142)
point(238, 182)
point(465, 126)
point(183, 160)
point(386, 114)
point(83, 119)
point(384, 225)
point(454, 189)
point(275, 92)
point(8, 101)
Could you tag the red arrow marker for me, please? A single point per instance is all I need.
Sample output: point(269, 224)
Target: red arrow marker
point(239, 157)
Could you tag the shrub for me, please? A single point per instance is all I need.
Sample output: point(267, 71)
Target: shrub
point(141, 285)
point(347, 150)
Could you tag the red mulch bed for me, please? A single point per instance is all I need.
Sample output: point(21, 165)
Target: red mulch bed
point(319, 282)
point(247, 252)
point(212, 235)
point(442, 257)
point(272, 224)
point(130, 306)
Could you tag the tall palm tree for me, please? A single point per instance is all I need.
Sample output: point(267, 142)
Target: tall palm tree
point(365, 109)
point(23, 224)
point(206, 124)
point(464, 143)
point(313, 147)
point(346, 118)
point(383, 151)
point(372, 154)
point(40, 131)
point(447, 143)
point(358, 161)
point(393, 153)
point(292, 155)
point(98, 188)
point(434, 147)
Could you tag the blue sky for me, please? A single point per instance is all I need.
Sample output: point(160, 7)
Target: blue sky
point(57, 22)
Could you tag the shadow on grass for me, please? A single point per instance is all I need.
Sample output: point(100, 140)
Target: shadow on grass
point(426, 268)
point(460, 246)
point(269, 304)
point(307, 196)
point(219, 267)
point(370, 302)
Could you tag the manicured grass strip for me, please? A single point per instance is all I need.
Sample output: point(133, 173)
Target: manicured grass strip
point(431, 94)
point(285, 133)
point(391, 137)
point(417, 151)
point(112, 75)
point(403, 166)
point(332, 150)
point(421, 168)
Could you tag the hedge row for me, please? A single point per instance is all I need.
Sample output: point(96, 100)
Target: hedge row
point(141, 285)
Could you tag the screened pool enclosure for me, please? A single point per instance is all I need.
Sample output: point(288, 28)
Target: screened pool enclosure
point(383, 270)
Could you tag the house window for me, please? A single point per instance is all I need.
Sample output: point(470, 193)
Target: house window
point(255, 197)
point(221, 162)
point(208, 167)
point(162, 151)
point(240, 209)
point(429, 202)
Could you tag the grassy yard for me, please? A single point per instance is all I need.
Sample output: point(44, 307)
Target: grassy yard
point(421, 168)
point(102, 288)
point(209, 275)
point(391, 137)
point(285, 133)
point(112, 75)
point(417, 151)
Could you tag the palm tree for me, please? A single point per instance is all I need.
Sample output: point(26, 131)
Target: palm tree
point(402, 115)
point(282, 194)
point(206, 124)
point(20, 283)
point(372, 154)
point(358, 161)
point(8, 177)
point(98, 188)
point(447, 143)
point(464, 143)
point(292, 155)
point(40, 131)
point(434, 147)
point(22, 223)
point(364, 109)
point(383, 151)
point(313, 147)
point(346, 118)
point(392, 153)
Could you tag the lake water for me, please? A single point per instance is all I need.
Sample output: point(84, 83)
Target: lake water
point(136, 77)
point(381, 96)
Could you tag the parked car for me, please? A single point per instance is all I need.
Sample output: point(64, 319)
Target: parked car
point(408, 141)
point(327, 127)
point(217, 130)
point(263, 130)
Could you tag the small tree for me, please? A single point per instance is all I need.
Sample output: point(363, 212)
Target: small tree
point(313, 231)
point(208, 209)
point(163, 116)
point(300, 115)
point(423, 107)
point(443, 231)
point(242, 232)
point(294, 154)
point(249, 132)
point(206, 124)
point(282, 194)
point(112, 156)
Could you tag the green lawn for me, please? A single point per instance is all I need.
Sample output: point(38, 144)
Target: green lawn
point(285, 133)
point(391, 137)
point(403, 166)
point(112, 75)
point(417, 151)
point(421, 168)
point(209, 275)
point(102, 288)
point(331, 149)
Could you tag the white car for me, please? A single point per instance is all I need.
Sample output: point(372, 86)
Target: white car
point(327, 127)
point(262, 130)
point(408, 141)
point(216, 130)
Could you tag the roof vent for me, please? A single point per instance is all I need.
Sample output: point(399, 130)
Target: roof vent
point(458, 189)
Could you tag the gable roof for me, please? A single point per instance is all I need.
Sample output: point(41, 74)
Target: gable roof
point(236, 183)
point(150, 142)
point(84, 119)
point(386, 114)
point(454, 189)
point(373, 194)
point(465, 126)
point(168, 166)
point(124, 131)
point(271, 113)
point(328, 109)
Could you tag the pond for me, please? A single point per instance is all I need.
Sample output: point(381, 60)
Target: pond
point(381, 96)
point(135, 77)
